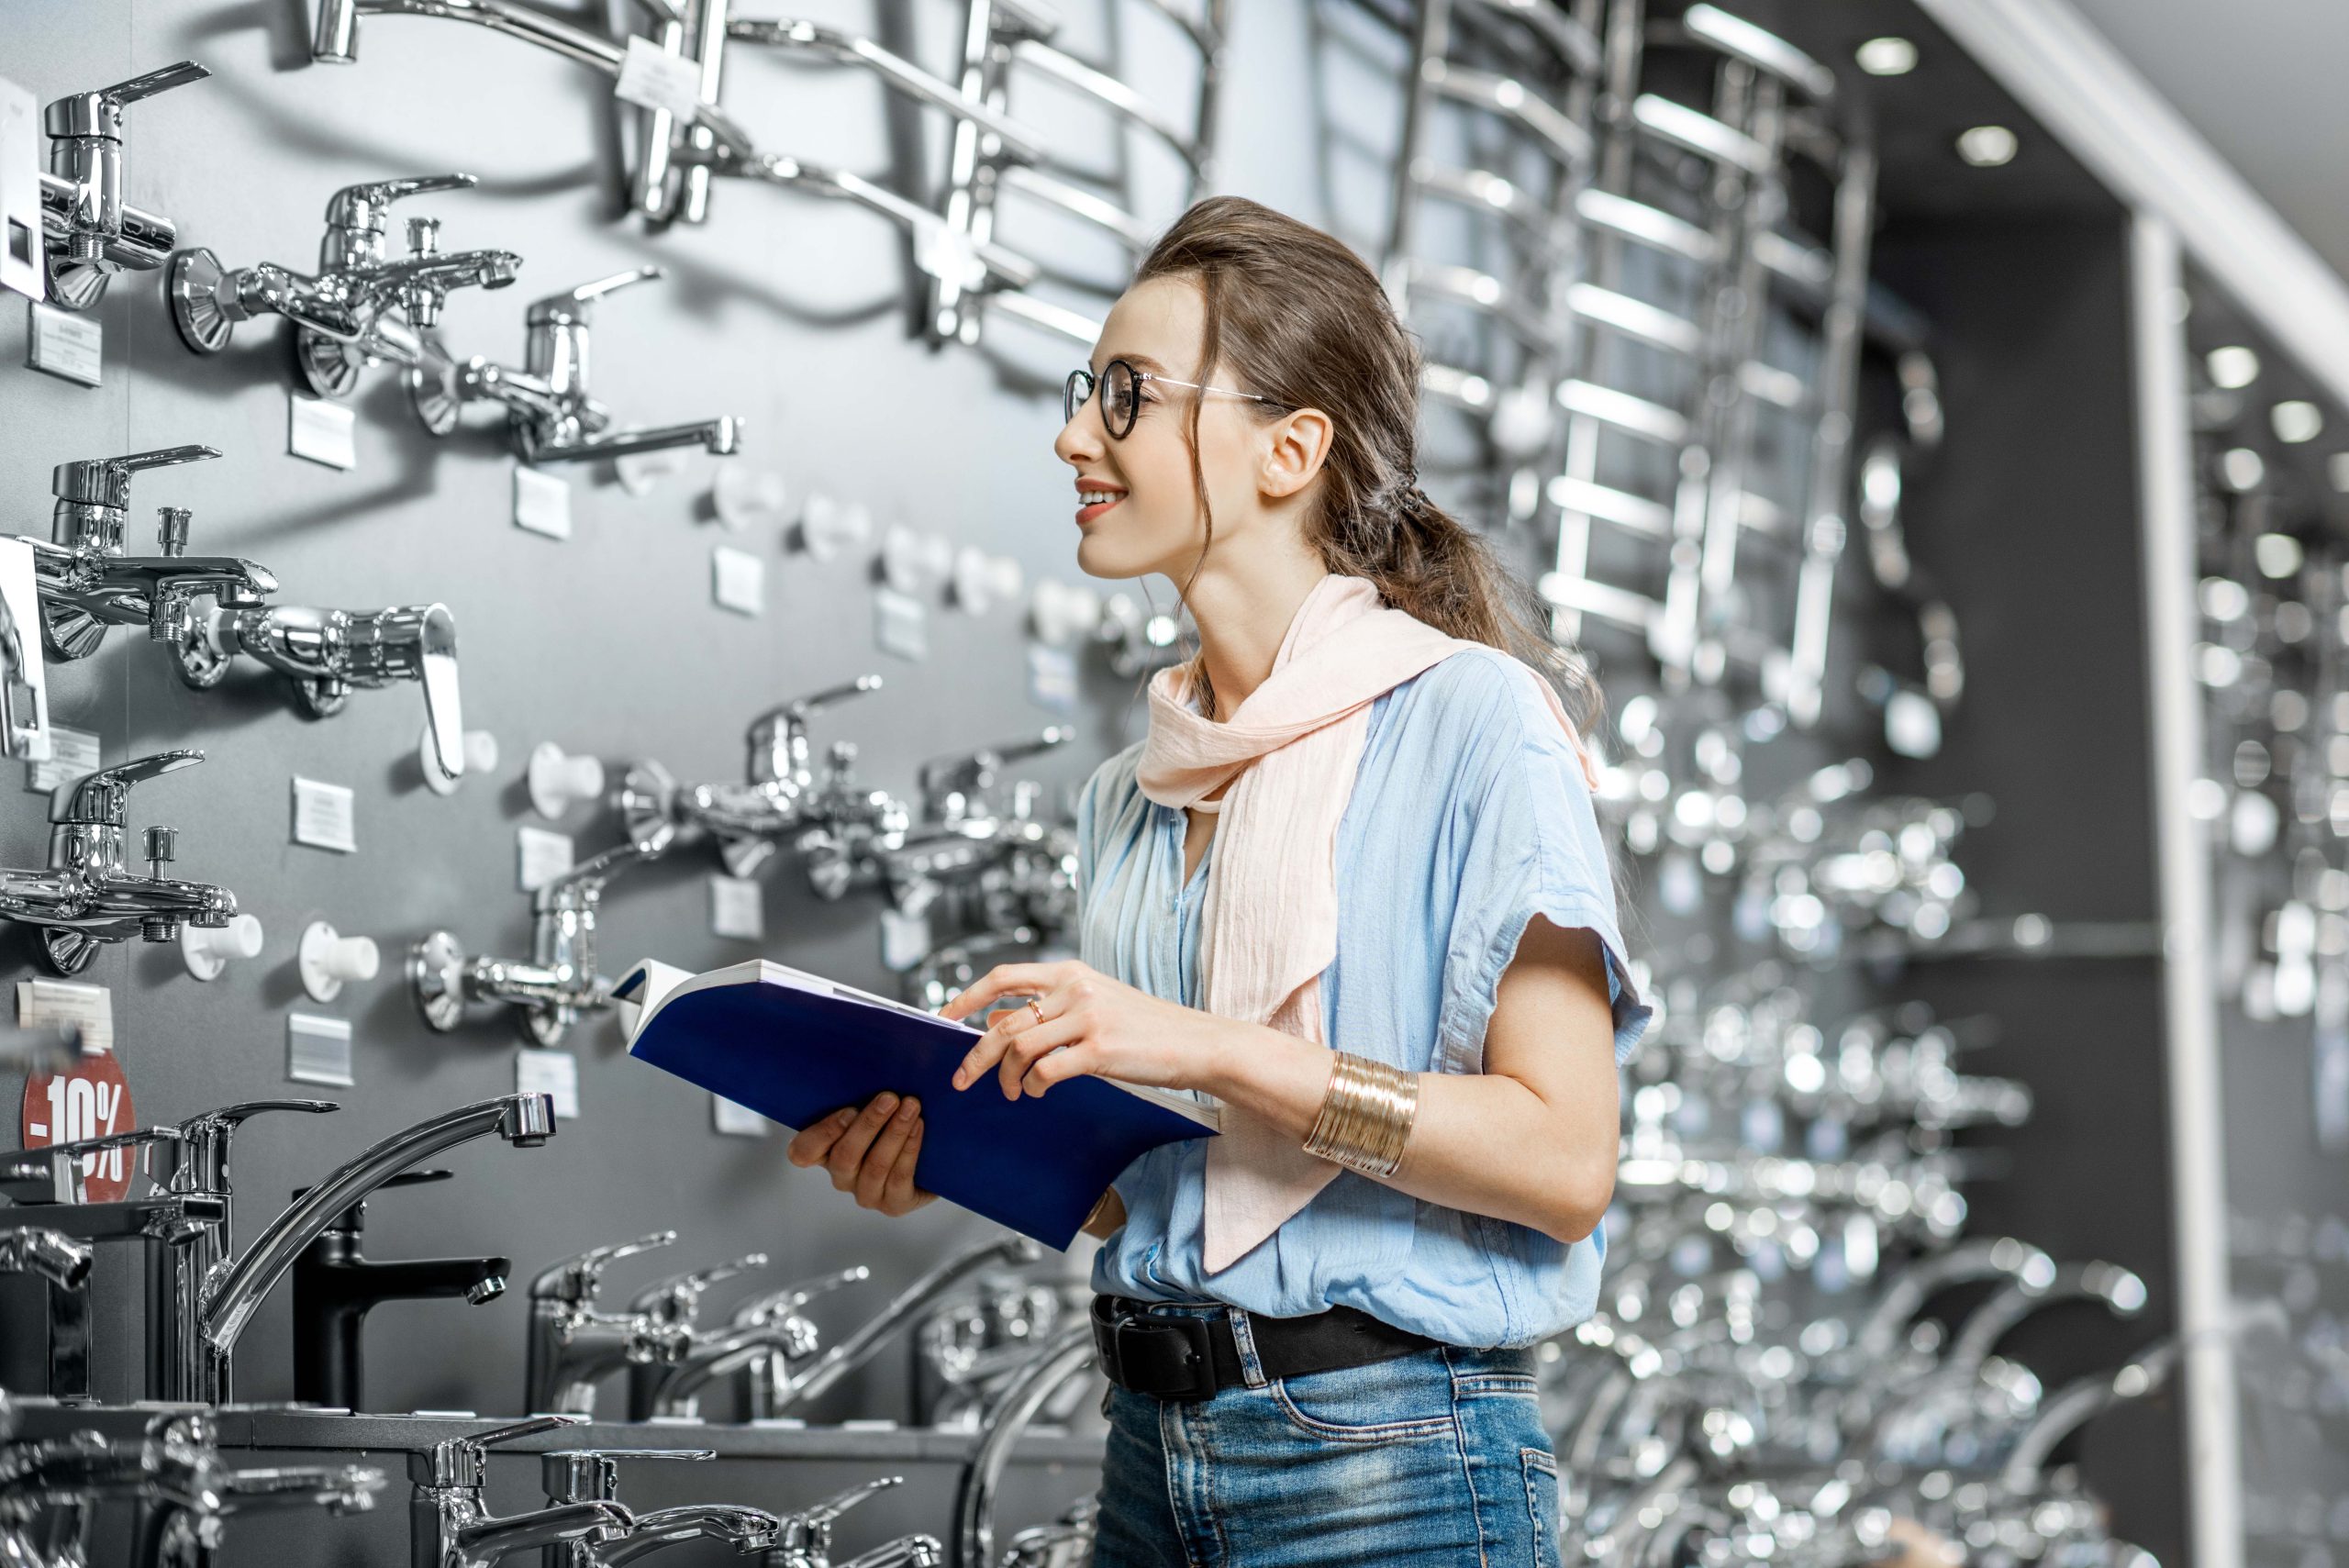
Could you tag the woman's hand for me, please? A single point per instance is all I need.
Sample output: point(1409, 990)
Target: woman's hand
point(870, 1152)
point(1091, 1024)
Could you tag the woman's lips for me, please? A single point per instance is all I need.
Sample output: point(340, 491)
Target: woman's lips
point(1086, 513)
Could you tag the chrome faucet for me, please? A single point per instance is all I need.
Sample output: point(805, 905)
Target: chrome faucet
point(201, 1298)
point(768, 1332)
point(675, 1301)
point(806, 1541)
point(87, 583)
point(574, 1344)
point(781, 794)
point(449, 1526)
point(955, 788)
point(88, 894)
point(556, 984)
point(361, 307)
point(92, 232)
point(330, 651)
point(550, 412)
point(571, 1476)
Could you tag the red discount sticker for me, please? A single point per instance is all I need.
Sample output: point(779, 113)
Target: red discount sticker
point(89, 1099)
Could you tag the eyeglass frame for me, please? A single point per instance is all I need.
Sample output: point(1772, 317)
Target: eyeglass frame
point(1070, 404)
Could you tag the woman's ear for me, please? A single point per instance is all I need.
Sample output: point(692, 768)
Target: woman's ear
point(1296, 445)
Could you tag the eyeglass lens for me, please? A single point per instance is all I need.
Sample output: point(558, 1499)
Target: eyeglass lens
point(1119, 395)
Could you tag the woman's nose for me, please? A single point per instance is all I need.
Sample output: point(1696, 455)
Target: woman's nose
point(1080, 440)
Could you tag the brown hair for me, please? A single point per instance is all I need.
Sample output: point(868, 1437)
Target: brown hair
point(1299, 319)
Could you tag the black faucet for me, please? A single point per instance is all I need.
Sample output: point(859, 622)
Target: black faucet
point(334, 1286)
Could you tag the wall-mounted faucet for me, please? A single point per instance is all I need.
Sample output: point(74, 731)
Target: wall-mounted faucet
point(201, 1298)
point(87, 583)
point(574, 1344)
point(330, 651)
point(450, 1527)
point(571, 1476)
point(556, 984)
point(88, 894)
point(780, 796)
point(335, 1285)
point(550, 412)
point(361, 307)
point(92, 232)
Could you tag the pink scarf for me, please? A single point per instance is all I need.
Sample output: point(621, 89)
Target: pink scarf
point(1291, 751)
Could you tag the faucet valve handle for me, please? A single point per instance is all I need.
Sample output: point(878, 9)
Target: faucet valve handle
point(204, 1161)
point(423, 236)
point(105, 481)
point(99, 113)
point(592, 1474)
point(361, 207)
point(778, 738)
point(102, 799)
point(171, 530)
point(463, 1462)
point(792, 1298)
point(577, 1280)
point(817, 1521)
point(676, 1299)
point(571, 307)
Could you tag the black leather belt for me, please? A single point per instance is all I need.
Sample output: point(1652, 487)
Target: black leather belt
point(1172, 1355)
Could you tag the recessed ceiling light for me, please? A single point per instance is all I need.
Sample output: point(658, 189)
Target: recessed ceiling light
point(2233, 367)
point(1986, 146)
point(2296, 422)
point(1887, 57)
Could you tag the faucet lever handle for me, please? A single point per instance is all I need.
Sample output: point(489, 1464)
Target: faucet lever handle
point(184, 73)
point(105, 481)
point(99, 112)
point(592, 1474)
point(821, 1514)
point(576, 1279)
point(792, 1298)
point(571, 304)
point(361, 205)
point(463, 1461)
point(102, 799)
point(677, 1297)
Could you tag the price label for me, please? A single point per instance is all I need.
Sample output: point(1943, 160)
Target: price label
point(73, 753)
point(59, 343)
point(554, 1073)
point(900, 623)
point(541, 503)
point(317, 1050)
point(905, 940)
point(652, 78)
point(89, 1099)
point(68, 1003)
point(323, 432)
point(539, 856)
point(1051, 677)
point(736, 909)
point(738, 580)
point(325, 816)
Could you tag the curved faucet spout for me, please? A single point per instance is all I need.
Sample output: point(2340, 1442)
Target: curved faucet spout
point(745, 1529)
point(488, 1542)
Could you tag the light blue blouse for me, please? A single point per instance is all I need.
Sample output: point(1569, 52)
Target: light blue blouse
point(1469, 817)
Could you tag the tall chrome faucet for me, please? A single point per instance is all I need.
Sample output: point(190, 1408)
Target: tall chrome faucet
point(202, 1297)
point(550, 412)
point(88, 894)
point(362, 306)
point(556, 984)
point(450, 1527)
point(92, 232)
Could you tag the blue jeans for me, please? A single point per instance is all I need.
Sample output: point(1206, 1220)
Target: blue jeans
point(1438, 1457)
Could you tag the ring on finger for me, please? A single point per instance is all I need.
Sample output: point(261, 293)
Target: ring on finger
point(1035, 1009)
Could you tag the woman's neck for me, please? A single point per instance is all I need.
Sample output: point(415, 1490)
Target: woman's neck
point(1242, 620)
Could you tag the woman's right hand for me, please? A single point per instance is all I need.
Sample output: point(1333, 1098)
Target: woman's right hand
point(868, 1151)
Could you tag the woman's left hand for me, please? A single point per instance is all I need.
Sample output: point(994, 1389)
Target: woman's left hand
point(1091, 1024)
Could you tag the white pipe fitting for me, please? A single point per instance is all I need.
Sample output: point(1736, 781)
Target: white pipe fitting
point(559, 782)
point(208, 951)
point(328, 959)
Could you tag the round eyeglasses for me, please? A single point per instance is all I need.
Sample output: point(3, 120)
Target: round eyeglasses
point(1120, 386)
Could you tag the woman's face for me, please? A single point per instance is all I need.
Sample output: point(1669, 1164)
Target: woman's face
point(1138, 510)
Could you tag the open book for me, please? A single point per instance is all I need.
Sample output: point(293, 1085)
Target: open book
point(796, 1047)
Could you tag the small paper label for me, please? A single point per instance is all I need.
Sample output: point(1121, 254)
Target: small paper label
point(736, 1121)
point(20, 223)
point(325, 816)
point(738, 580)
point(905, 940)
point(652, 78)
point(321, 431)
point(1051, 677)
point(554, 1073)
point(736, 909)
point(68, 1003)
point(541, 503)
point(539, 856)
point(64, 345)
point(900, 623)
point(72, 753)
point(317, 1050)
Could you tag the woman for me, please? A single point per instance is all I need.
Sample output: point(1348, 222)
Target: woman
point(1316, 1325)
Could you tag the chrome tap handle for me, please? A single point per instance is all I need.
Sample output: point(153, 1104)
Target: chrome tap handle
point(576, 1279)
point(674, 1300)
point(592, 1474)
point(360, 206)
point(792, 1298)
point(99, 113)
point(972, 769)
point(103, 798)
point(777, 739)
point(142, 1138)
point(461, 1461)
point(572, 305)
point(105, 481)
point(204, 1164)
point(821, 1516)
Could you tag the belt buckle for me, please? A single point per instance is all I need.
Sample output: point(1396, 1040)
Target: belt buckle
point(1164, 1356)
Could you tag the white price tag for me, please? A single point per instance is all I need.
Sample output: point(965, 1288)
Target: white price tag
point(59, 343)
point(652, 78)
point(1051, 677)
point(539, 856)
point(317, 1050)
point(554, 1073)
point(736, 1121)
point(20, 234)
point(736, 909)
point(325, 816)
point(72, 753)
point(738, 580)
point(900, 623)
point(68, 1003)
point(541, 503)
point(321, 431)
point(905, 940)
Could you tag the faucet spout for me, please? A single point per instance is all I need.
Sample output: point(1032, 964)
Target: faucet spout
point(720, 436)
point(491, 1540)
point(744, 1529)
point(857, 1349)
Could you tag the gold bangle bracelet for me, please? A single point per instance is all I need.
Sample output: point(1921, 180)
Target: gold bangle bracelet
point(1366, 1116)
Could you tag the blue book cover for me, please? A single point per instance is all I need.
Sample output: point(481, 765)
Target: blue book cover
point(796, 1047)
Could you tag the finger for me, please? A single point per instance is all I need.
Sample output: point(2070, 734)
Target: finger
point(873, 1176)
point(815, 1140)
point(1070, 1062)
point(1031, 1043)
point(983, 1055)
point(898, 1194)
point(1007, 980)
point(848, 1153)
